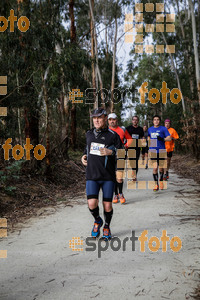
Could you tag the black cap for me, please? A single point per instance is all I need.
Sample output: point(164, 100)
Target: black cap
point(98, 112)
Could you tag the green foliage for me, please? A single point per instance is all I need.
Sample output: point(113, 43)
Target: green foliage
point(9, 175)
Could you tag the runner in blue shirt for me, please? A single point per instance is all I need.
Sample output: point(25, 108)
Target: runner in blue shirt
point(158, 135)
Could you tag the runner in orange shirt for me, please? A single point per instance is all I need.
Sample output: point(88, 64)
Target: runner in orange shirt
point(169, 146)
point(113, 125)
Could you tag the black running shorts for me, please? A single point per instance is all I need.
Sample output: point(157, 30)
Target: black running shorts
point(169, 154)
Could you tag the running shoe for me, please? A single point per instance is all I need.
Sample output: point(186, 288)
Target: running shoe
point(156, 188)
point(161, 185)
point(122, 199)
point(165, 177)
point(116, 199)
point(146, 167)
point(106, 234)
point(96, 228)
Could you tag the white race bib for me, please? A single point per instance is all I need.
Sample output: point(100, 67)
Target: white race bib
point(154, 135)
point(95, 148)
point(135, 136)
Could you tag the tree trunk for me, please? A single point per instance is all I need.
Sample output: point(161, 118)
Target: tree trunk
point(106, 31)
point(196, 55)
point(73, 41)
point(177, 77)
point(67, 115)
point(96, 55)
point(18, 114)
point(64, 111)
point(48, 164)
point(93, 57)
point(113, 68)
point(188, 71)
point(72, 27)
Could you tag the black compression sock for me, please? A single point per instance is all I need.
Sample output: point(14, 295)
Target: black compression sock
point(95, 213)
point(108, 217)
point(161, 176)
point(167, 173)
point(155, 176)
point(116, 188)
point(120, 186)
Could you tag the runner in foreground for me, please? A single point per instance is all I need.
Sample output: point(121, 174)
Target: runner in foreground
point(158, 135)
point(100, 159)
point(169, 146)
point(113, 125)
point(145, 149)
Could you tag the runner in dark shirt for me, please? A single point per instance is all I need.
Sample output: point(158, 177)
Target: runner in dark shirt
point(135, 133)
point(100, 159)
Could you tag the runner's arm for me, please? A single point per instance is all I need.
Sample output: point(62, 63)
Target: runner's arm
point(167, 135)
point(112, 150)
point(84, 160)
point(106, 151)
point(84, 157)
point(174, 135)
point(167, 138)
point(128, 139)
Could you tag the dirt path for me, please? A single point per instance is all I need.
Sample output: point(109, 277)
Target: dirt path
point(40, 264)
